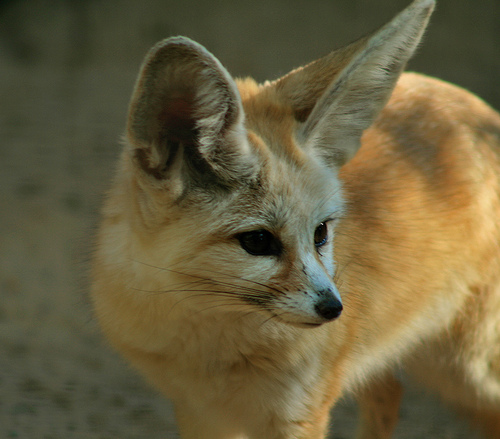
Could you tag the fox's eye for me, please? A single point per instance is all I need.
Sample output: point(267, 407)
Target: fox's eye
point(320, 235)
point(259, 243)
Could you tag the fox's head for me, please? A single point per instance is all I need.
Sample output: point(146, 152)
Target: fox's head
point(228, 194)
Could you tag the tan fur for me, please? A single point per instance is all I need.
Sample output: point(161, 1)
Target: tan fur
point(249, 345)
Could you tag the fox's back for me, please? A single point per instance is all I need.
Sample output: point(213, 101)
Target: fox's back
point(429, 169)
point(433, 154)
point(420, 243)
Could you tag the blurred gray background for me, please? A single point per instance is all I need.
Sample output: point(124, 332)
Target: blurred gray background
point(66, 72)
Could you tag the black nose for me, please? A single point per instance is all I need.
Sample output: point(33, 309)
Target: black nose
point(328, 308)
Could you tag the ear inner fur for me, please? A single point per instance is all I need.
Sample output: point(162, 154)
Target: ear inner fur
point(186, 103)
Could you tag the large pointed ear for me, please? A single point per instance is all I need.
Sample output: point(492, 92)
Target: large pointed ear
point(340, 95)
point(186, 118)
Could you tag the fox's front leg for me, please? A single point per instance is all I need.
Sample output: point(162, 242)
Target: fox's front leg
point(379, 408)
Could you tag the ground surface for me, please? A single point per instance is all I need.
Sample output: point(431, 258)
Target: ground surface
point(66, 72)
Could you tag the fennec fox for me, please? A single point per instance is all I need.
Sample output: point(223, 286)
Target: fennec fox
point(266, 248)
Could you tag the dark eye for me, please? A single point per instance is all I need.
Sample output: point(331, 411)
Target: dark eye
point(320, 235)
point(259, 243)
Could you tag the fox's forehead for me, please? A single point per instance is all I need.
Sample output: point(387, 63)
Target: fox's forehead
point(292, 186)
point(286, 195)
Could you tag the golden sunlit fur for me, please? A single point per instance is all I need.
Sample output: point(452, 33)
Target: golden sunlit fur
point(266, 248)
